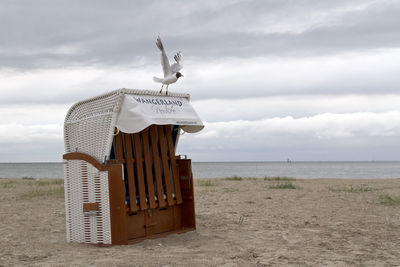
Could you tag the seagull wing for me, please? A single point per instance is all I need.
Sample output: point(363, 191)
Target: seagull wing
point(179, 63)
point(164, 59)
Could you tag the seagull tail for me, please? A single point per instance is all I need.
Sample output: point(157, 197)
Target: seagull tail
point(157, 80)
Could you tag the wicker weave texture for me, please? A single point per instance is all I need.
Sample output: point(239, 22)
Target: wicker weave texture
point(85, 184)
point(89, 125)
point(91, 136)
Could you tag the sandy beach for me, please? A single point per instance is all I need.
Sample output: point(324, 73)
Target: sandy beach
point(240, 222)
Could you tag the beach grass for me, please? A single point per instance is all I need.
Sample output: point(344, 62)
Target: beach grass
point(239, 178)
point(41, 192)
point(206, 182)
point(351, 189)
point(9, 184)
point(27, 178)
point(48, 182)
point(33, 188)
point(284, 185)
point(389, 200)
point(239, 221)
point(279, 178)
point(234, 178)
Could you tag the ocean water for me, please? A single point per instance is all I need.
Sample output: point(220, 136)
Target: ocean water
point(362, 170)
point(31, 170)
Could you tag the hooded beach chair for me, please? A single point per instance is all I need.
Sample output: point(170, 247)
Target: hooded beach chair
point(123, 180)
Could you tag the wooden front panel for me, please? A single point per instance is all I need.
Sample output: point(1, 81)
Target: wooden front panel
point(159, 221)
point(177, 217)
point(151, 173)
point(135, 225)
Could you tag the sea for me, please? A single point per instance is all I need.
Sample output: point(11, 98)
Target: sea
point(304, 169)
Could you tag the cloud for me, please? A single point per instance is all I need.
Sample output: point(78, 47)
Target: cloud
point(49, 150)
point(33, 114)
point(321, 136)
point(296, 106)
point(19, 133)
point(321, 126)
point(60, 86)
point(30, 133)
point(359, 73)
point(294, 113)
point(355, 73)
point(328, 136)
point(76, 33)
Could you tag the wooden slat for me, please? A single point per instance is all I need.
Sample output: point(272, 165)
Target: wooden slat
point(139, 170)
point(118, 147)
point(130, 172)
point(149, 172)
point(172, 160)
point(117, 205)
point(157, 169)
point(164, 159)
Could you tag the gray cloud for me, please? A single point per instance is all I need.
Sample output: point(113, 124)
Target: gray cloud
point(361, 136)
point(48, 34)
point(39, 151)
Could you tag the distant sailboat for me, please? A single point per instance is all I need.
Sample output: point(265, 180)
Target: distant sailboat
point(288, 160)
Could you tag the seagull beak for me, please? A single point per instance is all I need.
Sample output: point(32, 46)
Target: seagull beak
point(182, 76)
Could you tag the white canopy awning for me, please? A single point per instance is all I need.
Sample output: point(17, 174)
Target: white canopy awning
point(140, 111)
point(90, 124)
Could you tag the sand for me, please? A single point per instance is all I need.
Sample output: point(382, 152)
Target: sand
point(239, 223)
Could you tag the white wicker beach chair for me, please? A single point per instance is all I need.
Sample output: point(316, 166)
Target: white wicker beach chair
point(123, 181)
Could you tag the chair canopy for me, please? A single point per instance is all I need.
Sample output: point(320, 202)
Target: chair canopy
point(90, 124)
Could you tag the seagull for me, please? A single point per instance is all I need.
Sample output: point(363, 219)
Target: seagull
point(171, 72)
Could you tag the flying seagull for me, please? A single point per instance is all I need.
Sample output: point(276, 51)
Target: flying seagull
point(171, 72)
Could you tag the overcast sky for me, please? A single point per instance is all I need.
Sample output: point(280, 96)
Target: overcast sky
point(300, 79)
